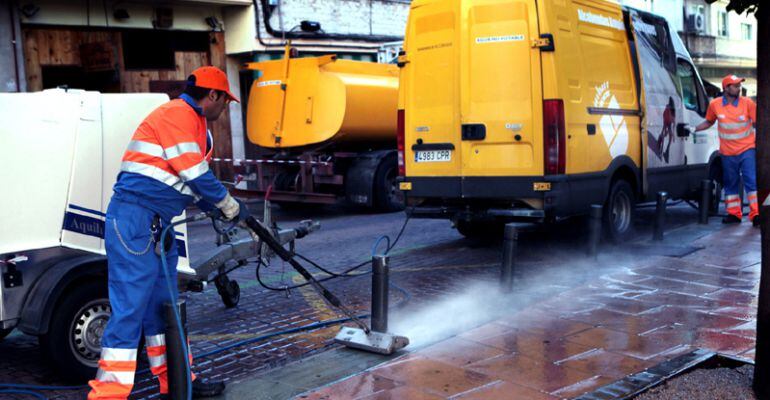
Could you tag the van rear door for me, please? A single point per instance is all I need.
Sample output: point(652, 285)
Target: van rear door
point(472, 85)
point(501, 133)
point(430, 80)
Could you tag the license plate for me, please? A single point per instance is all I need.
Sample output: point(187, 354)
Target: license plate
point(433, 156)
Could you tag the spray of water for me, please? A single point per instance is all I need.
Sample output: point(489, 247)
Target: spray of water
point(484, 302)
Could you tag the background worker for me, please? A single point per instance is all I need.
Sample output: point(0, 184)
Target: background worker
point(164, 169)
point(737, 117)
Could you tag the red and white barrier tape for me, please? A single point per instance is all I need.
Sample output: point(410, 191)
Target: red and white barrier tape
point(249, 161)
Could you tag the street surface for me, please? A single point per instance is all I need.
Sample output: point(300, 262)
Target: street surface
point(450, 288)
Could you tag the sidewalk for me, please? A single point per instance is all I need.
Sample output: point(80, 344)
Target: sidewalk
point(591, 335)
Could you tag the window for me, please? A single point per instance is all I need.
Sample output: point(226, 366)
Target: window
point(722, 24)
point(154, 49)
point(746, 31)
point(693, 96)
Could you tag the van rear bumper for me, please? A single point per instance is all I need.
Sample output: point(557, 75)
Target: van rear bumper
point(478, 187)
point(445, 197)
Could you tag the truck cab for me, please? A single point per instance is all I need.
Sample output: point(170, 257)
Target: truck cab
point(521, 110)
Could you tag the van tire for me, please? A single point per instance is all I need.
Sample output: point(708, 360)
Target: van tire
point(715, 174)
point(387, 196)
point(480, 229)
point(75, 352)
point(619, 211)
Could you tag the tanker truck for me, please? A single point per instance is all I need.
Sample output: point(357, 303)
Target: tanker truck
point(326, 130)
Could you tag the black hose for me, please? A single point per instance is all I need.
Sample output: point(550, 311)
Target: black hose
point(332, 275)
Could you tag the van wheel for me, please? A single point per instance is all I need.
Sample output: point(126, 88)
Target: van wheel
point(480, 229)
point(387, 196)
point(74, 339)
point(619, 211)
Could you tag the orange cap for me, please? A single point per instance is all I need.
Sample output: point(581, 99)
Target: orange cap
point(731, 80)
point(212, 78)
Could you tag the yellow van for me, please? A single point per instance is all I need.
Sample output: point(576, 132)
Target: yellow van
point(534, 110)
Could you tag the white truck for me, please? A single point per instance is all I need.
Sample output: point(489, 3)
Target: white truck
point(62, 156)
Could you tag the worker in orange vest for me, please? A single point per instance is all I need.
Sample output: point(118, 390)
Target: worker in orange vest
point(164, 169)
point(737, 117)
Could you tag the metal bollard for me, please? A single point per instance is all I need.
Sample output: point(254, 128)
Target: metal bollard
point(704, 208)
point(509, 252)
point(594, 229)
point(380, 287)
point(660, 216)
point(175, 354)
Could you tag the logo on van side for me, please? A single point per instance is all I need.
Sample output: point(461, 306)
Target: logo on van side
point(598, 19)
point(614, 128)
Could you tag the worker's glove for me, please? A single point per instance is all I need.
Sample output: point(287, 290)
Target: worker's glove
point(229, 206)
point(243, 211)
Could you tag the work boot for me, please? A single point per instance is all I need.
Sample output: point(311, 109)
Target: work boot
point(202, 389)
point(731, 219)
point(755, 221)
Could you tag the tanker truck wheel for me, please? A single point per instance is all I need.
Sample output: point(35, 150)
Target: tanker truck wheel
point(74, 339)
point(388, 198)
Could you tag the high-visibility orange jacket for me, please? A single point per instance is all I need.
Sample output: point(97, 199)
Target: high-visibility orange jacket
point(166, 164)
point(735, 124)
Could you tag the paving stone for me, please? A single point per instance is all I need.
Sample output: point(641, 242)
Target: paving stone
point(433, 376)
point(503, 390)
point(543, 376)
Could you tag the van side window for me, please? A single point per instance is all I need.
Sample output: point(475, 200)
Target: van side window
point(693, 97)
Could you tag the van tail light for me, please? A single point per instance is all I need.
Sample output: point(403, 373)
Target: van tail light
point(554, 137)
point(400, 143)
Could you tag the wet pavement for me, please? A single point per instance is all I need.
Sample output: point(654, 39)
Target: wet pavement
point(631, 318)
point(572, 324)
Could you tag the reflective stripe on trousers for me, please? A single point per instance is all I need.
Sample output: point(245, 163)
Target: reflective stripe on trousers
point(115, 376)
point(753, 205)
point(733, 205)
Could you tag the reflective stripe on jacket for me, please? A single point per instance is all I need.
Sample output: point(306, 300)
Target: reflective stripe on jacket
point(165, 166)
point(735, 123)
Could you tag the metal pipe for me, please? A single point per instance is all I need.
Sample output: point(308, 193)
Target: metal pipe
point(380, 286)
point(706, 186)
point(594, 229)
point(511, 237)
point(660, 216)
point(175, 354)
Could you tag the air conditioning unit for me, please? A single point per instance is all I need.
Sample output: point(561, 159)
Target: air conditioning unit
point(696, 23)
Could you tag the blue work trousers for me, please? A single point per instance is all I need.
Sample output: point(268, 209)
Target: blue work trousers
point(137, 284)
point(740, 166)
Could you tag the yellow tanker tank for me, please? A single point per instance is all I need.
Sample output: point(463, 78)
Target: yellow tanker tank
point(301, 102)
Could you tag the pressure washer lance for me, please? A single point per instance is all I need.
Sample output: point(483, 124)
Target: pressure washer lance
point(363, 338)
point(267, 238)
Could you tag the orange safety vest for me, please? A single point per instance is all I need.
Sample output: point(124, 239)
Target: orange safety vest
point(170, 146)
point(735, 124)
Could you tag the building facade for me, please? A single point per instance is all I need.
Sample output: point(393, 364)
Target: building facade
point(141, 46)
